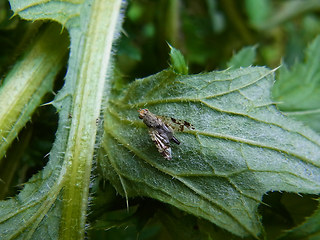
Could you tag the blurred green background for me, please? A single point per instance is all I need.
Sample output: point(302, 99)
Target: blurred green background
point(208, 33)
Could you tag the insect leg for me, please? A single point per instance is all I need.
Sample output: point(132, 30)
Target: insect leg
point(175, 140)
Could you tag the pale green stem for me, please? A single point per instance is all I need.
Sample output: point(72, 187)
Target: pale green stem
point(28, 81)
point(91, 76)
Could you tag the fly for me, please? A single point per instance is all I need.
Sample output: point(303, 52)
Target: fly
point(161, 130)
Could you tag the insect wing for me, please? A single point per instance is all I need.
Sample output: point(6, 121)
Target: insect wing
point(161, 130)
point(161, 143)
point(176, 124)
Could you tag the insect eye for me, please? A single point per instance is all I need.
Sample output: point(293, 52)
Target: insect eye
point(142, 113)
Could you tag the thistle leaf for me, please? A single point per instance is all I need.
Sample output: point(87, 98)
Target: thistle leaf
point(241, 148)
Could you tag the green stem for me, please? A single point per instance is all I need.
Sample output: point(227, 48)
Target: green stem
point(28, 81)
point(90, 86)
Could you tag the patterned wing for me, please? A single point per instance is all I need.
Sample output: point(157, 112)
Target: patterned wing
point(176, 124)
point(162, 144)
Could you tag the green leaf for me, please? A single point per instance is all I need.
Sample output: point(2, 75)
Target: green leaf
point(53, 204)
point(188, 227)
point(244, 58)
point(178, 62)
point(310, 229)
point(65, 12)
point(242, 146)
point(297, 90)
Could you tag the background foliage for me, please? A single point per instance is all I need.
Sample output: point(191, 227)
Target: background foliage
point(209, 33)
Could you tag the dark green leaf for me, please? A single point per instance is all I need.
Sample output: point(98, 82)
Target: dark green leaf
point(297, 90)
point(310, 229)
point(241, 148)
point(244, 58)
point(178, 62)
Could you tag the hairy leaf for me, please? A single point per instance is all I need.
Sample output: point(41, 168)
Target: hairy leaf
point(64, 12)
point(298, 89)
point(242, 146)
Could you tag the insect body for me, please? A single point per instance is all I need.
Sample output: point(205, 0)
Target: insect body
point(161, 130)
